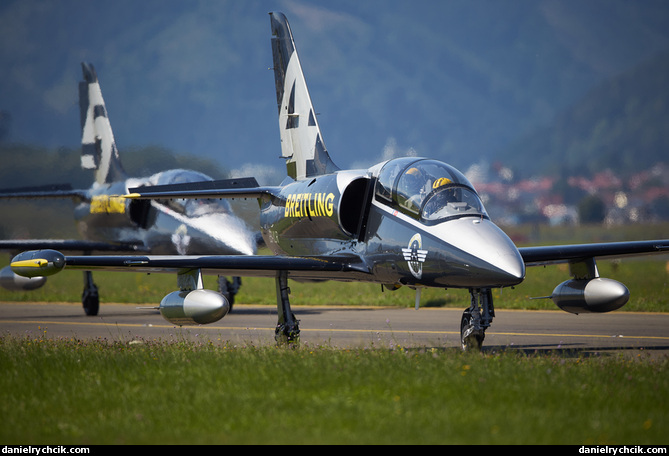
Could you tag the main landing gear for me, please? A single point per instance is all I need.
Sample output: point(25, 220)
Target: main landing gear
point(229, 288)
point(287, 328)
point(90, 298)
point(476, 319)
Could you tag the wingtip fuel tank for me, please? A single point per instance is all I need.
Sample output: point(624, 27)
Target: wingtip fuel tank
point(38, 263)
point(14, 282)
point(194, 307)
point(596, 295)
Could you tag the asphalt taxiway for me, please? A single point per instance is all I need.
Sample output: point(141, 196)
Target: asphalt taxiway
point(631, 333)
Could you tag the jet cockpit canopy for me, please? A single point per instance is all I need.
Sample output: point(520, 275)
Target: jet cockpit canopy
point(428, 190)
point(190, 207)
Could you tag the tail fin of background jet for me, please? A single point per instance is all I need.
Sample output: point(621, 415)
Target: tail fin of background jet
point(301, 142)
point(98, 148)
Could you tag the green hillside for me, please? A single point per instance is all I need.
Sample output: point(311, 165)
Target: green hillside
point(623, 124)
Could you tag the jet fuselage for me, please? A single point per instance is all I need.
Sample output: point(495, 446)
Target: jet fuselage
point(372, 214)
point(182, 227)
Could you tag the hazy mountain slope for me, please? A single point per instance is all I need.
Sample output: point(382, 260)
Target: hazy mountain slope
point(622, 124)
point(456, 80)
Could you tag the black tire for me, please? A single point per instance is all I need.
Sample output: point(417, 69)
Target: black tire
point(91, 303)
point(469, 341)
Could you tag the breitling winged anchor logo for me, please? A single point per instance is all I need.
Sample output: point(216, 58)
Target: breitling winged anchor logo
point(415, 255)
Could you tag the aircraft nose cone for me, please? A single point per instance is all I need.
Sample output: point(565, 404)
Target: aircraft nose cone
point(505, 270)
point(492, 258)
point(501, 263)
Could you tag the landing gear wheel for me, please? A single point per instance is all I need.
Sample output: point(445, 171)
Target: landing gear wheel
point(91, 301)
point(471, 339)
point(288, 334)
point(90, 297)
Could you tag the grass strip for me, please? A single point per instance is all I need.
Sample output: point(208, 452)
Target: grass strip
point(68, 391)
point(647, 281)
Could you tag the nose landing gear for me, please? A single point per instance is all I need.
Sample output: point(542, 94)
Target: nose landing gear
point(476, 319)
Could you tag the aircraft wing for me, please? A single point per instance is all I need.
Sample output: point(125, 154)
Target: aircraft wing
point(68, 245)
point(45, 191)
point(48, 262)
point(535, 256)
point(246, 187)
point(330, 267)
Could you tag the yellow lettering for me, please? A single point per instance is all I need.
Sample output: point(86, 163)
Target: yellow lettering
point(105, 204)
point(312, 205)
point(317, 204)
point(309, 204)
point(329, 204)
point(117, 205)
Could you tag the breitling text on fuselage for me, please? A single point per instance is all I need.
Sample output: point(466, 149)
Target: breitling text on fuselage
point(310, 205)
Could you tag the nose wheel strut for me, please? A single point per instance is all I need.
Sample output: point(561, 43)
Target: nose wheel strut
point(476, 319)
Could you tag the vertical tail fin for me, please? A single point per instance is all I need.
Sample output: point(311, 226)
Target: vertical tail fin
point(301, 142)
point(98, 148)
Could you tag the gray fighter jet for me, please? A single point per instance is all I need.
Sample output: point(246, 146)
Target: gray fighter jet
point(413, 222)
point(107, 222)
